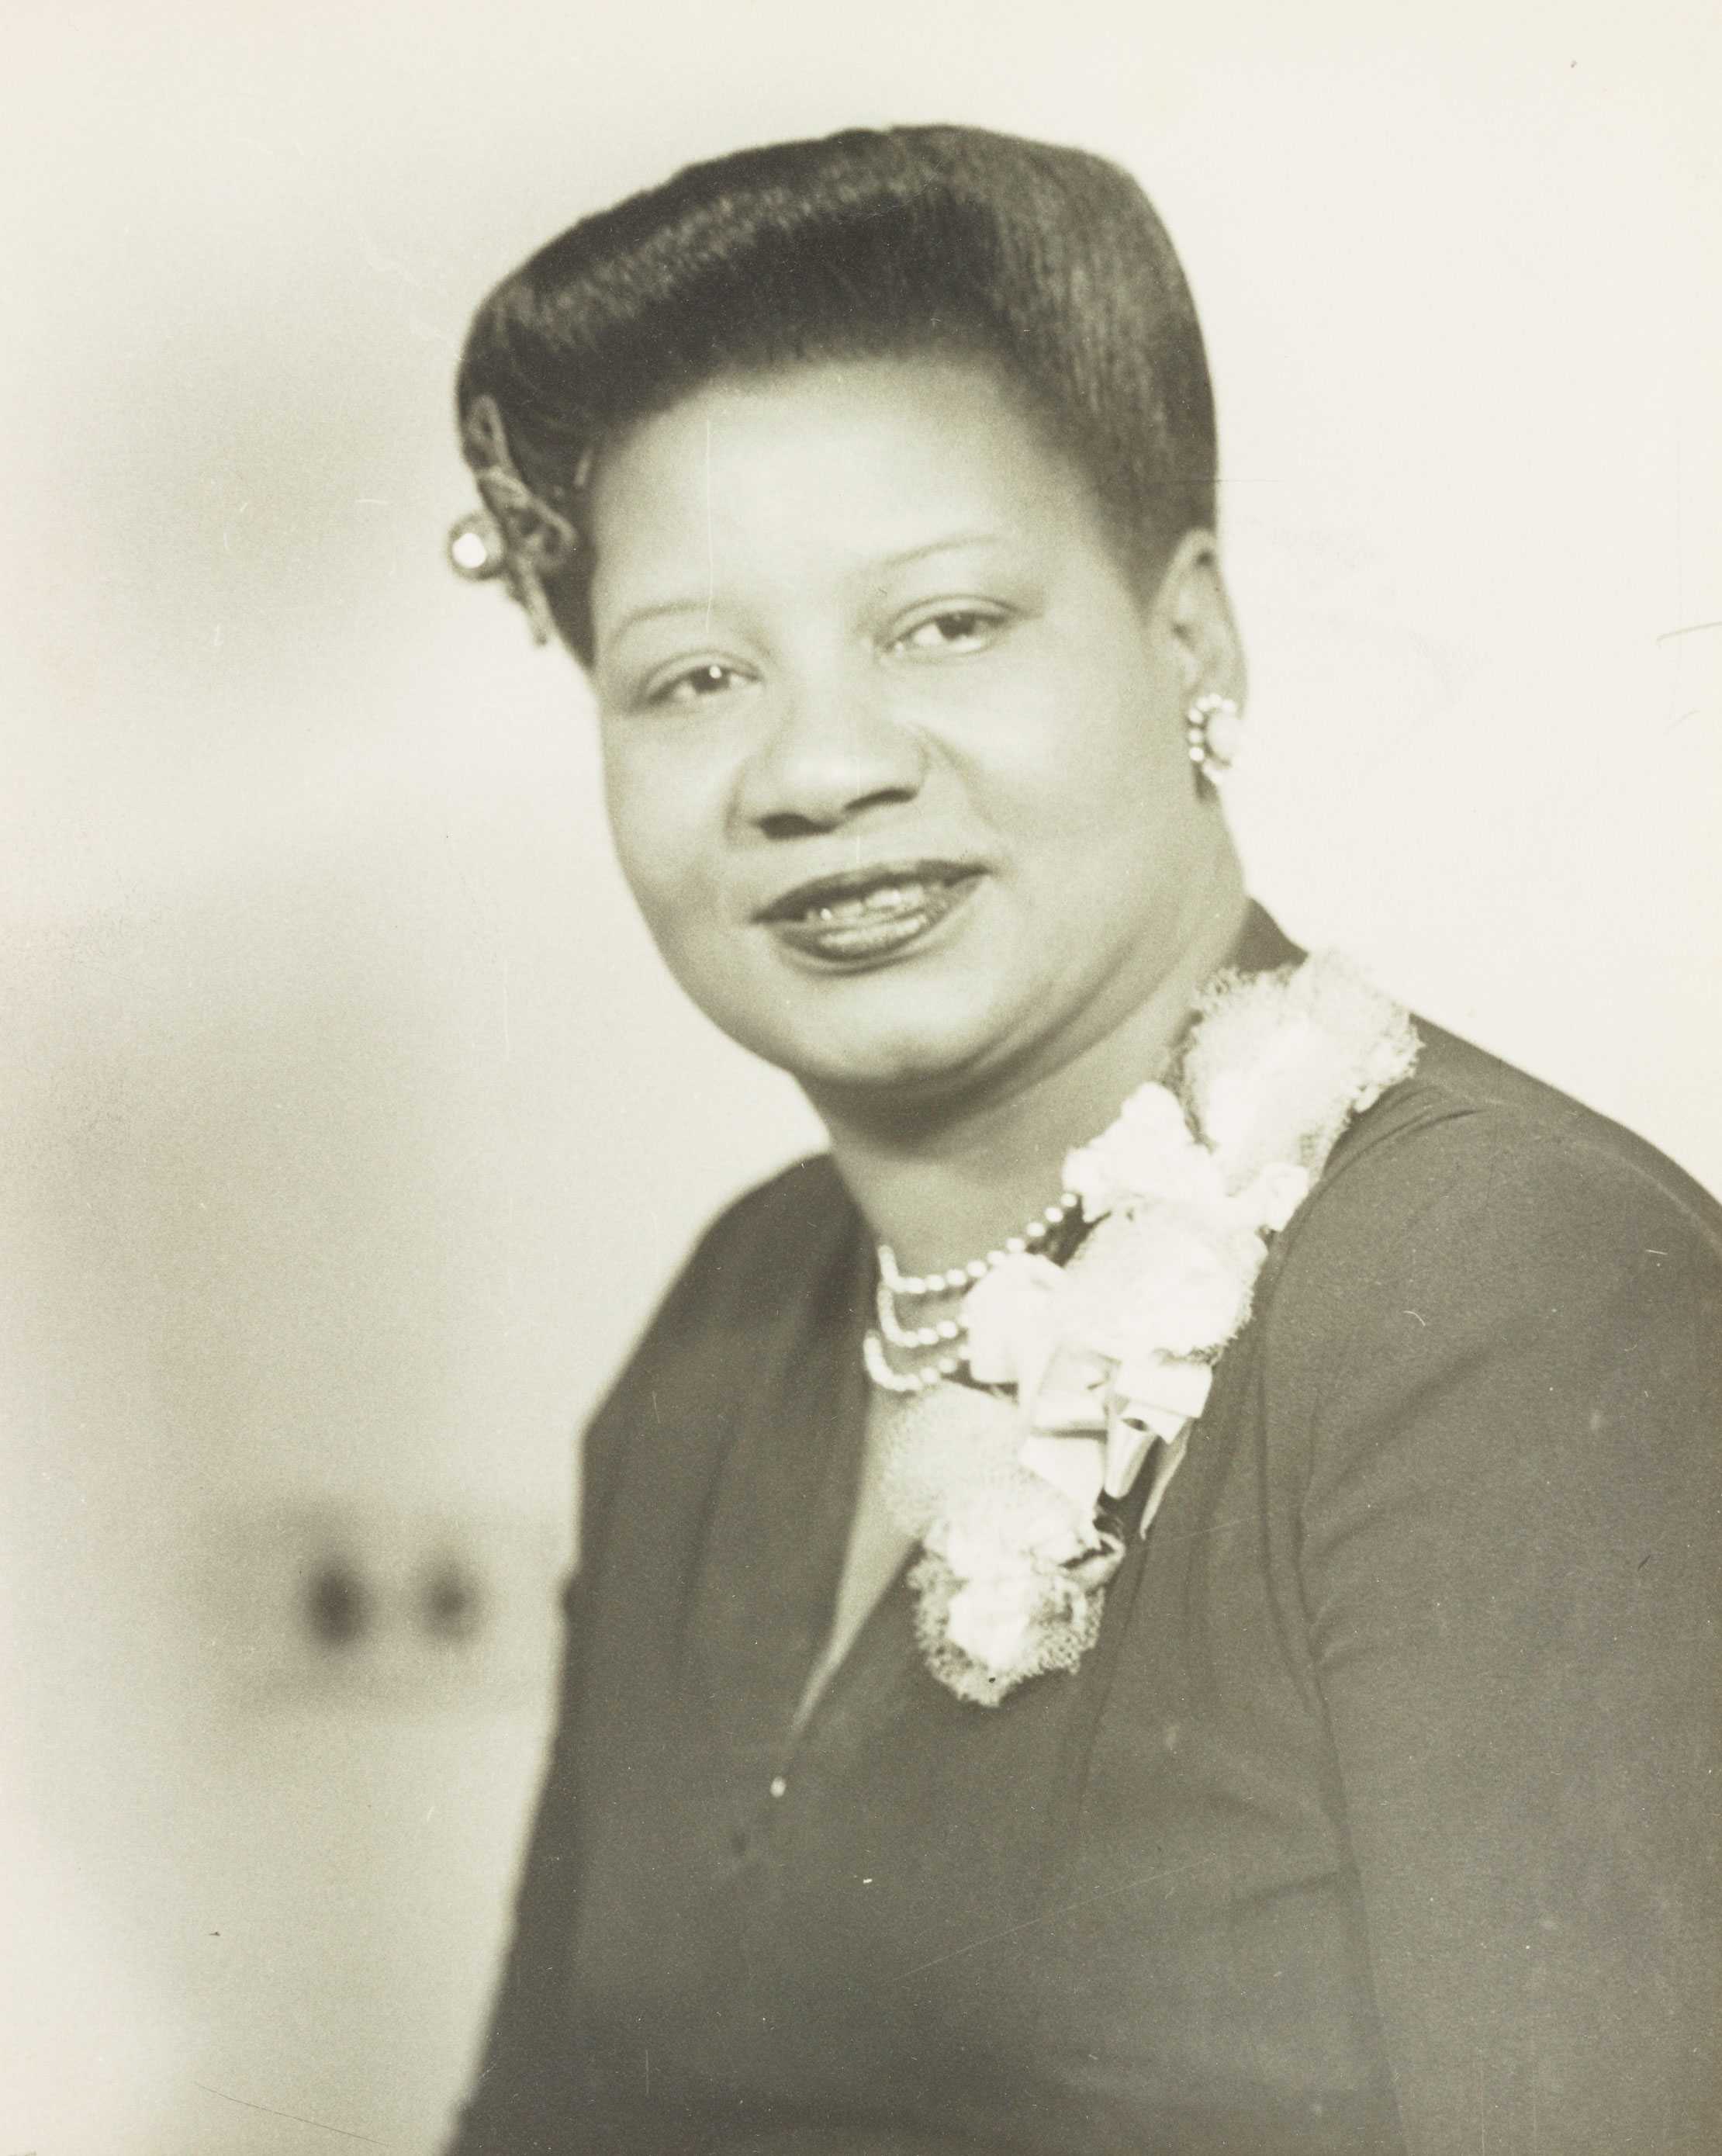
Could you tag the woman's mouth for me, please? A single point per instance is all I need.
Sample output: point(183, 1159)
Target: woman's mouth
point(868, 914)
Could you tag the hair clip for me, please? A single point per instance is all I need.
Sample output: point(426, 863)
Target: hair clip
point(517, 536)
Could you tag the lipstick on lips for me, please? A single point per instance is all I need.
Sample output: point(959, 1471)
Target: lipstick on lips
point(868, 914)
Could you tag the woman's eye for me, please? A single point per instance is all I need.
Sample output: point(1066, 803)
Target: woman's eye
point(693, 685)
point(953, 630)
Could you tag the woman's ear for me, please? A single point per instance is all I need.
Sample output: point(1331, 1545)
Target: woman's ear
point(1194, 611)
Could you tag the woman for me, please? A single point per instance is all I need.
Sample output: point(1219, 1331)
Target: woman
point(1157, 1598)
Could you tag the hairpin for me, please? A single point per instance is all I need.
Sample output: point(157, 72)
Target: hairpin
point(517, 536)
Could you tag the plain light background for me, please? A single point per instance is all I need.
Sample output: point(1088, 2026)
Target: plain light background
point(347, 1129)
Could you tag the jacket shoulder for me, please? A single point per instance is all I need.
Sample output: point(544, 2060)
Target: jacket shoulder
point(762, 1267)
point(1477, 1201)
point(1468, 1133)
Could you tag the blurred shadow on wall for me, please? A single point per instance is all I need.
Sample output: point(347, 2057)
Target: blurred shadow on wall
point(280, 1676)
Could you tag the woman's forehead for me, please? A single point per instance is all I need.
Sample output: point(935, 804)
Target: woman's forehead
point(872, 463)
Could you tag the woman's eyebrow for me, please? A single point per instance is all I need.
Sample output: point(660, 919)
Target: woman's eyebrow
point(940, 546)
point(659, 609)
point(656, 612)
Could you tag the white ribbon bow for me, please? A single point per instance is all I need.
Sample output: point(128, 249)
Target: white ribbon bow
point(1093, 1423)
point(1092, 1418)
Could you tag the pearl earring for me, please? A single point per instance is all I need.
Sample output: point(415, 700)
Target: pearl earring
point(1213, 730)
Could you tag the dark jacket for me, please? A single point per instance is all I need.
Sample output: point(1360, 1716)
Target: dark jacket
point(1383, 1817)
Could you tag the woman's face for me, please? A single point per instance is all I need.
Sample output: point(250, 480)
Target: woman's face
point(893, 744)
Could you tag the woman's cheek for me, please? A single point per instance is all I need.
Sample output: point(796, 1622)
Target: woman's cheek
point(652, 799)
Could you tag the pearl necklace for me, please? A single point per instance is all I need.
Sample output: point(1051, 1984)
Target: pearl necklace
point(945, 1333)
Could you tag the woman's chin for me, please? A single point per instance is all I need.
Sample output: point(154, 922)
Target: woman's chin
point(909, 1048)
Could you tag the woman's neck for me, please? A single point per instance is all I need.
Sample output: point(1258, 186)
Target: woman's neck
point(945, 1186)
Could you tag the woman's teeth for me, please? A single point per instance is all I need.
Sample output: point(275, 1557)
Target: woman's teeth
point(864, 925)
point(885, 898)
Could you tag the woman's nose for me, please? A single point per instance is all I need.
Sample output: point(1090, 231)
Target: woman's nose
point(827, 756)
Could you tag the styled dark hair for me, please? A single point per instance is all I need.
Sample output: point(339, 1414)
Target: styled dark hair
point(1047, 264)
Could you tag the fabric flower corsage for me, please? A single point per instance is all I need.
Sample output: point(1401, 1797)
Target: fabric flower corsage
point(1087, 1376)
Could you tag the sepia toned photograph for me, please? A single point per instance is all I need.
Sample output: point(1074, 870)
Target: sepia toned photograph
point(862, 1285)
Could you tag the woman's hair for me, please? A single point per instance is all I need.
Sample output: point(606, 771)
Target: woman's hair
point(1047, 263)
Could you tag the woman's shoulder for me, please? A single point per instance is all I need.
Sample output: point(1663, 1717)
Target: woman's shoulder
point(767, 1259)
point(1468, 1138)
point(769, 1240)
point(1466, 1133)
point(1484, 1211)
point(774, 1267)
